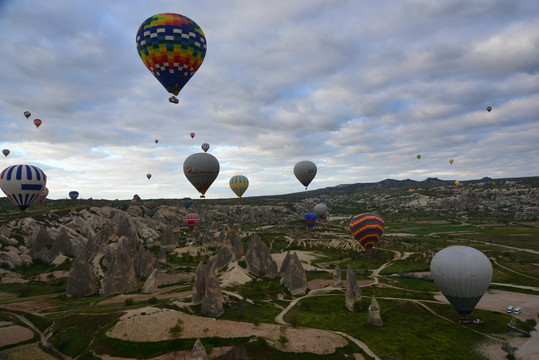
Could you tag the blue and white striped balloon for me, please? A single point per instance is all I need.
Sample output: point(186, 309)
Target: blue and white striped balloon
point(22, 184)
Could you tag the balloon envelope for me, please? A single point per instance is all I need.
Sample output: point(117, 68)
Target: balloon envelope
point(156, 141)
point(418, 156)
point(149, 208)
point(192, 135)
point(310, 219)
point(305, 172)
point(320, 210)
point(462, 274)
point(73, 195)
point(489, 108)
point(6, 152)
point(22, 184)
point(172, 47)
point(205, 147)
point(149, 176)
point(187, 202)
point(201, 169)
point(191, 220)
point(27, 114)
point(367, 229)
point(37, 122)
point(43, 194)
point(451, 161)
point(239, 184)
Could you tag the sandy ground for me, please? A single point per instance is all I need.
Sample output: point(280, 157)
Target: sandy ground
point(25, 352)
point(154, 325)
point(14, 334)
point(304, 256)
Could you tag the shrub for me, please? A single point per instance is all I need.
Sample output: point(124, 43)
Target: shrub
point(177, 329)
point(128, 301)
point(152, 300)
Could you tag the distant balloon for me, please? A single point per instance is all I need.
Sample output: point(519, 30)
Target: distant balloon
point(43, 194)
point(201, 169)
point(192, 135)
point(187, 202)
point(6, 152)
point(172, 47)
point(27, 114)
point(418, 156)
point(149, 176)
point(149, 208)
point(191, 220)
point(239, 184)
point(367, 229)
point(489, 108)
point(310, 219)
point(22, 184)
point(320, 210)
point(457, 182)
point(136, 198)
point(305, 172)
point(73, 195)
point(462, 274)
point(451, 161)
point(156, 141)
point(37, 122)
point(205, 147)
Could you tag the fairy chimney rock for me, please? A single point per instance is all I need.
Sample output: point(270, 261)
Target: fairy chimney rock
point(81, 280)
point(212, 302)
point(284, 264)
point(295, 278)
point(258, 259)
point(374, 318)
point(337, 280)
point(353, 291)
point(150, 285)
point(198, 352)
point(199, 286)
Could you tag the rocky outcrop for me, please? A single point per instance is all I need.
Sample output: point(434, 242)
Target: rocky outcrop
point(81, 280)
point(212, 302)
point(150, 285)
point(198, 352)
point(120, 275)
point(195, 236)
point(295, 278)
point(224, 257)
point(199, 286)
point(374, 318)
point(12, 257)
point(233, 238)
point(168, 239)
point(284, 264)
point(258, 259)
point(337, 276)
point(162, 256)
point(39, 244)
point(208, 238)
point(145, 262)
point(353, 291)
point(126, 227)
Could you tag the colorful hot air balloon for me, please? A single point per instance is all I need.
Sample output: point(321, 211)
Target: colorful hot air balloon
point(239, 184)
point(187, 202)
point(43, 194)
point(37, 122)
point(192, 135)
point(172, 47)
point(310, 219)
point(156, 141)
point(149, 176)
point(462, 274)
point(305, 172)
point(321, 210)
point(367, 229)
point(22, 184)
point(457, 182)
point(191, 220)
point(451, 161)
point(149, 208)
point(27, 114)
point(418, 156)
point(201, 169)
point(489, 108)
point(73, 195)
point(6, 152)
point(205, 147)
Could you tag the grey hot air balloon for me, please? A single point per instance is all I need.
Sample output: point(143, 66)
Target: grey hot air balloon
point(205, 147)
point(462, 274)
point(321, 210)
point(201, 169)
point(27, 114)
point(305, 171)
point(6, 152)
point(149, 176)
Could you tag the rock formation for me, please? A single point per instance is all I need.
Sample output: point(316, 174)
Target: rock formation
point(198, 352)
point(195, 236)
point(39, 243)
point(162, 256)
point(199, 285)
point(233, 238)
point(145, 262)
point(258, 259)
point(337, 280)
point(126, 228)
point(224, 257)
point(353, 291)
point(81, 280)
point(168, 239)
point(150, 285)
point(120, 275)
point(295, 278)
point(284, 264)
point(212, 303)
point(208, 238)
point(374, 318)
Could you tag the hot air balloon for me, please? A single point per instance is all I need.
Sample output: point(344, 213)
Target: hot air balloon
point(156, 141)
point(239, 184)
point(320, 210)
point(201, 169)
point(305, 172)
point(451, 161)
point(192, 135)
point(43, 194)
point(205, 147)
point(27, 114)
point(367, 229)
point(149, 176)
point(457, 182)
point(310, 219)
point(489, 108)
point(37, 122)
point(462, 274)
point(6, 152)
point(73, 195)
point(172, 47)
point(418, 156)
point(187, 202)
point(22, 184)
point(149, 208)
point(191, 220)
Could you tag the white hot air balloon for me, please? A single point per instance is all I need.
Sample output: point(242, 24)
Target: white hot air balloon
point(321, 210)
point(305, 172)
point(201, 169)
point(22, 184)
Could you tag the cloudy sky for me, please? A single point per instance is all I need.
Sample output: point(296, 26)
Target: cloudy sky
point(358, 87)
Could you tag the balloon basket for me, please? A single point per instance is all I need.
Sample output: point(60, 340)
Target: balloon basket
point(465, 320)
point(202, 196)
point(173, 99)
